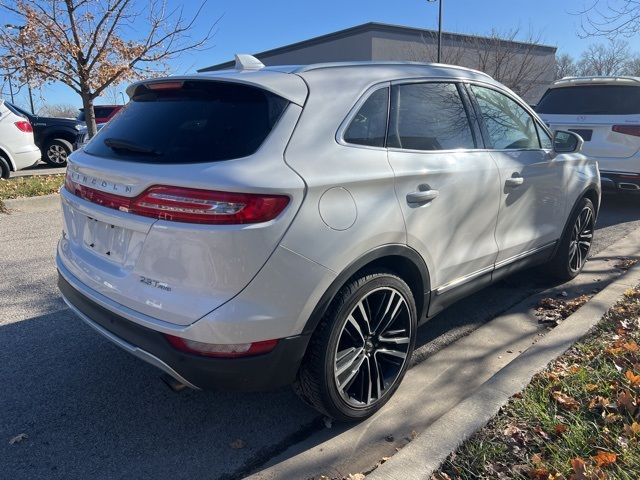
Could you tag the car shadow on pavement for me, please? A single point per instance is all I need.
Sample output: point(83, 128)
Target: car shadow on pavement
point(90, 410)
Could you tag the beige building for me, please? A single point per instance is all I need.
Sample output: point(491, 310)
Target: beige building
point(525, 67)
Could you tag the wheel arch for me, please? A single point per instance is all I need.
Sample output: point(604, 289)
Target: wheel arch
point(66, 135)
point(397, 258)
point(6, 158)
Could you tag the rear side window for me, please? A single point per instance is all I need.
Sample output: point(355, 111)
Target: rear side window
point(509, 126)
point(591, 100)
point(369, 126)
point(202, 121)
point(428, 116)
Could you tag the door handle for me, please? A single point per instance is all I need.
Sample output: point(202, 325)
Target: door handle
point(514, 181)
point(421, 197)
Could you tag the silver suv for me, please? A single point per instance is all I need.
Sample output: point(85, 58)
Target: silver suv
point(256, 227)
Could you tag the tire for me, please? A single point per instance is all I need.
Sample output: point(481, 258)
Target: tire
point(571, 254)
point(380, 349)
point(5, 171)
point(56, 152)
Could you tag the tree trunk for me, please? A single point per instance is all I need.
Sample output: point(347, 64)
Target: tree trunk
point(89, 114)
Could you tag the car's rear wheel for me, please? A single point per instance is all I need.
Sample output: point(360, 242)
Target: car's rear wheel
point(56, 152)
point(360, 352)
point(575, 244)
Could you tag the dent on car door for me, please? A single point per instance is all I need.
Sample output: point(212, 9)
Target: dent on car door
point(447, 187)
point(532, 197)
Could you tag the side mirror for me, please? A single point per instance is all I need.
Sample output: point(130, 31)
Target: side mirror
point(567, 142)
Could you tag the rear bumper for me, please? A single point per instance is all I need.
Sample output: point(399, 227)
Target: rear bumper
point(626, 182)
point(258, 373)
point(26, 157)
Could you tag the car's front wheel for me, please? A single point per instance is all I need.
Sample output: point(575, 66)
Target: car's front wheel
point(575, 244)
point(56, 152)
point(361, 350)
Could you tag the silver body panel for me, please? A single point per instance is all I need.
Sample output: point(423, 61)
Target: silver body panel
point(233, 284)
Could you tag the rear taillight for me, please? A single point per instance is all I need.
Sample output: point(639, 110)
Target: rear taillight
point(234, 350)
point(188, 205)
point(627, 129)
point(24, 126)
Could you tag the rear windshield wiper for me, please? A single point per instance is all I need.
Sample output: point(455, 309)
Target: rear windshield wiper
point(126, 146)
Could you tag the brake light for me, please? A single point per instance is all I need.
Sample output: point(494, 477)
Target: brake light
point(233, 350)
point(188, 204)
point(24, 126)
point(164, 85)
point(627, 129)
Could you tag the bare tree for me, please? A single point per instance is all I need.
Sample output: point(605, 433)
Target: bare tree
point(605, 59)
point(512, 58)
point(611, 18)
point(90, 45)
point(565, 66)
point(633, 67)
point(64, 110)
point(426, 50)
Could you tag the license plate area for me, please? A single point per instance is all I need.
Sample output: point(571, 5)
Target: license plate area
point(105, 240)
point(584, 133)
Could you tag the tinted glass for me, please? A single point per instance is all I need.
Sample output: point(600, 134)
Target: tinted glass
point(428, 116)
point(545, 140)
point(16, 110)
point(200, 122)
point(509, 126)
point(369, 126)
point(591, 100)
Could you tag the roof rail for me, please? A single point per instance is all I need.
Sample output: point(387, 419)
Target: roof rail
point(318, 66)
point(247, 62)
point(596, 79)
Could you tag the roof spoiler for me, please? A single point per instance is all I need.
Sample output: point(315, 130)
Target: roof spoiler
point(247, 62)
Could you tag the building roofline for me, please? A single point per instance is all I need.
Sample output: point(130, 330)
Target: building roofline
point(369, 27)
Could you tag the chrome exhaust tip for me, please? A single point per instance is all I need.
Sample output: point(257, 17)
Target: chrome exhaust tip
point(172, 383)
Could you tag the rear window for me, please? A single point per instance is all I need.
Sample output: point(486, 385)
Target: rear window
point(200, 122)
point(591, 100)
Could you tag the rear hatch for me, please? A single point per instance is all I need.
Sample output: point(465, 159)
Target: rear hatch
point(607, 117)
point(177, 203)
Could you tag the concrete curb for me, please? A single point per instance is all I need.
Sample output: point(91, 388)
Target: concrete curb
point(425, 454)
point(33, 204)
point(39, 171)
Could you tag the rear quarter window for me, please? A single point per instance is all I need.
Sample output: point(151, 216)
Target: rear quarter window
point(202, 121)
point(591, 100)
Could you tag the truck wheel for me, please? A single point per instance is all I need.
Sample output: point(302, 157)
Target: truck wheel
point(56, 152)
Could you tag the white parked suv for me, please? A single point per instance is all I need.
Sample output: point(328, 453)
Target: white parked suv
point(262, 226)
point(17, 147)
point(605, 112)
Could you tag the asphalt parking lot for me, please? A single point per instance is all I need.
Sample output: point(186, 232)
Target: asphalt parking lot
point(90, 410)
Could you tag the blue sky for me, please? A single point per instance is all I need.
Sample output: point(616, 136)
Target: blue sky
point(252, 26)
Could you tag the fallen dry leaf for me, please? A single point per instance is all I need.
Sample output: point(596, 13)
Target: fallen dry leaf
point(18, 438)
point(536, 459)
point(539, 473)
point(631, 346)
point(633, 378)
point(560, 428)
point(604, 459)
point(356, 476)
point(591, 387)
point(237, 444)
point(626, 401)
point(598, 403)
point(633, 429)
point(565, 401)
